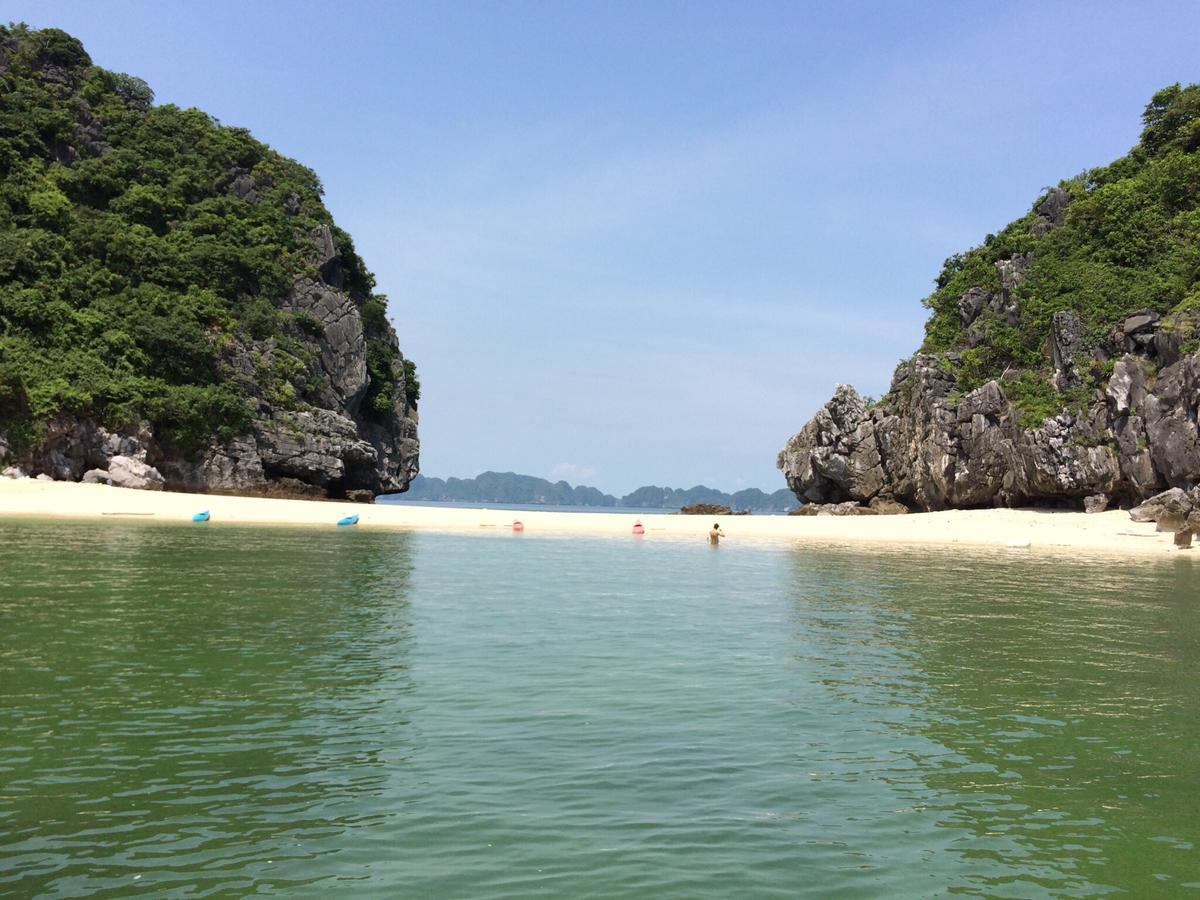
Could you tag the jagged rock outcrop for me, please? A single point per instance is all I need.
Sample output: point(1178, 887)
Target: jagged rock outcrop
point(1002, 303)
point(1066, 342)
point(1061, 361)
point(1052, 211)
point(72, 447)
point(931, 449)
point(1169, 510)
point(706, 509)
point(1174, 510)
point(125, 472)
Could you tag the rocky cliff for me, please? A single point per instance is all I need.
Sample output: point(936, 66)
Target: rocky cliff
point(1060, 363)
point(177, 307)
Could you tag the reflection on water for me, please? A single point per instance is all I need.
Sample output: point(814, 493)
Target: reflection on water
point(1047, 710)
point(226, 710)
point(182, 706)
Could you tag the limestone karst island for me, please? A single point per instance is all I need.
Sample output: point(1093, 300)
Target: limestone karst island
point(179, 309)
point(1060, 365)
point(592, 624)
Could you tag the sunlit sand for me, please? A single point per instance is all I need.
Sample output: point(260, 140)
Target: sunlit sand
point(1109, 533)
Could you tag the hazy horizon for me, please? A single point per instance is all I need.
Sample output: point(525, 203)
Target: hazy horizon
point(633, 244)
point(617, 493)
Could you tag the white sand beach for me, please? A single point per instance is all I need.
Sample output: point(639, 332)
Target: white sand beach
point(1109, 533)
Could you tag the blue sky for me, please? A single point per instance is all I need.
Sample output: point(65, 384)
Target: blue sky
point(632, 243)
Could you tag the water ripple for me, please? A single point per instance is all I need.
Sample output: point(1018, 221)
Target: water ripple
point(230, 711)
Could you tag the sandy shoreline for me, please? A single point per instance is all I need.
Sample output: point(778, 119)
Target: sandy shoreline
point(1110, 533)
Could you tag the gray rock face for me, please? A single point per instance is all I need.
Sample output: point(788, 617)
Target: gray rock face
point(74, 446)
point(928, 448)
point(1012, 273)
point(1125, 397)
point(1066, 342)
point(327, 448)
point(89, 133)
point(1174, 510)
point(1170, 422)
point(971, 304)
point(312, 452)
point(327, 257)
point(232, 468)
point(244, 186)
point(1139, 323)
point(1174, 501)
point(398, 448)
point(1139, 334)
point(316, 447)
point(1052, 211)
point(343, 346)
point(849, 508)
point(887, 506)
point(843, 460)
point(124, 471)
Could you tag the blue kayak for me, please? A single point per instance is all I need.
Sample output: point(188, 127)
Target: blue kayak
point(201, 516)
point(348, 520)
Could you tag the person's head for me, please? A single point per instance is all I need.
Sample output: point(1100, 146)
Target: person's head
point(716, 526)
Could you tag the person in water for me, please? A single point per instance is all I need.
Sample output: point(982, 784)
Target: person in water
point(714, 536)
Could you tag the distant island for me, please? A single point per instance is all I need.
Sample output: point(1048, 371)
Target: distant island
point(508, 487)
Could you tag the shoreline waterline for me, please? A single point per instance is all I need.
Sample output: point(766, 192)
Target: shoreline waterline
point(1109, 534)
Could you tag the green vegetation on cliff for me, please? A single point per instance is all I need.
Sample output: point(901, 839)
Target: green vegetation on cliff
point(139, 242)
point(1108, 244)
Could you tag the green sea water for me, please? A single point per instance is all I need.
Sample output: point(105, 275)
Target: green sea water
point(212, 710)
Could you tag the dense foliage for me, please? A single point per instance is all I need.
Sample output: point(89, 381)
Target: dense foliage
point(1130, 242)
point(507, 487)
point(138, 243)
